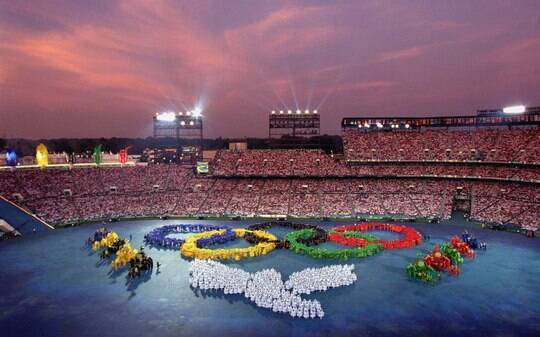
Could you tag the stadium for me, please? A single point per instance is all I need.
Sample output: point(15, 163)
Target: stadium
point(209, 169)
point(483, 166)
point(439, 176)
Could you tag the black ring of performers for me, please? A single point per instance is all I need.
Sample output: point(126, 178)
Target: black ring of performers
point(320, 234)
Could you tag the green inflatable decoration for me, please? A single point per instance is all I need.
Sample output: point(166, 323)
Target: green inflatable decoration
point(421, 271)
point(449, 251)
point(97, 154)
point(324, 253)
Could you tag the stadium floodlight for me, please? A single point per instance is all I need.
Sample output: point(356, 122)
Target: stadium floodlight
point(379, 125)
point(307, 111)
point(298, 112)
point(180, 113)
point(197, 113)
point(182, 123)
point(407, 126)
point(315, 111)
point(366, 124)
point(188, 113)
point(166, 117)
point(191, 123)
point(289, 112)
point(515, 109)
point(273, 112)
point(281, 112)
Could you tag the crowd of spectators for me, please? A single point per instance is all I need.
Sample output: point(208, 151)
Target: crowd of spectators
point(60, 196)
point(304, 205)
point(485, 144)
point(446, 169)
point(277, 163)
point(315, 163)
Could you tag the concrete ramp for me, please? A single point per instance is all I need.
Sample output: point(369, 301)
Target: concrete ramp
point(20, 220)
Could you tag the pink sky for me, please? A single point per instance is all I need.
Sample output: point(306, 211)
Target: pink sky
point(103, 68)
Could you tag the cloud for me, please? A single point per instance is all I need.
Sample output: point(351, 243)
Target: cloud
point(366, 85)
point(401, 54)
point(104, 67)
point(284, 32)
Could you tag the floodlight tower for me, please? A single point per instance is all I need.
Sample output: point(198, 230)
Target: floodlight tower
point(294, 123)
point(181, 125)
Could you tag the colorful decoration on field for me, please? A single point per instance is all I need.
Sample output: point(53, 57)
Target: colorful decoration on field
point(437, 260)
point(449, 251)
point(192, 249)
point(411, 236)
point(11, 157)
point(123, 256)
point(111, 244)
point(97, 155)
point(158, 236)
point(42, 155)
point(448, 258)
point(462, 247)
point(421, 271)
point(472, 241)
point(299, 243)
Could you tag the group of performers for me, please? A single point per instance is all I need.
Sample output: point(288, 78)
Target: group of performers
point(111, 245)
point(449, 257)
point(472, 241)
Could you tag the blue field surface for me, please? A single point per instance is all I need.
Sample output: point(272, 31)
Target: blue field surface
point(52, 285)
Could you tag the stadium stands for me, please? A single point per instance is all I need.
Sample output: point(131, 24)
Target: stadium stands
point(482, 144)
point(174, 190)
point(491, 173)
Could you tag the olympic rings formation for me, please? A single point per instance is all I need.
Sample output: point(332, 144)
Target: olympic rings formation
point(303, 240)
point(158, 236)
point(190, 248)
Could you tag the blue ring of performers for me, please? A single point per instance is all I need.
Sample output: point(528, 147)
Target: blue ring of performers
point(158, 236)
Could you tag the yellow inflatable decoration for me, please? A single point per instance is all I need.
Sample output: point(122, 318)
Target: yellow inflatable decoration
point(123, 256)
point(106, 242)
point(190, 249)
point(42, 155)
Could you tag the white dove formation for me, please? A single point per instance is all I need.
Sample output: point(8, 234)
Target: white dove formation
point(320, 279)
point(266, 289)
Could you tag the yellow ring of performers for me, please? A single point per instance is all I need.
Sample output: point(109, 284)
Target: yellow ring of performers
point(190, 249)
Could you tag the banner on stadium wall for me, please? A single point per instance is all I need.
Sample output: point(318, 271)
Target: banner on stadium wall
point(97, 154)
point(11, 157)
point(42, 155)
point(202, 167)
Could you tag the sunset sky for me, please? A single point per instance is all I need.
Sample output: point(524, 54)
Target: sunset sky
point(92, 68)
